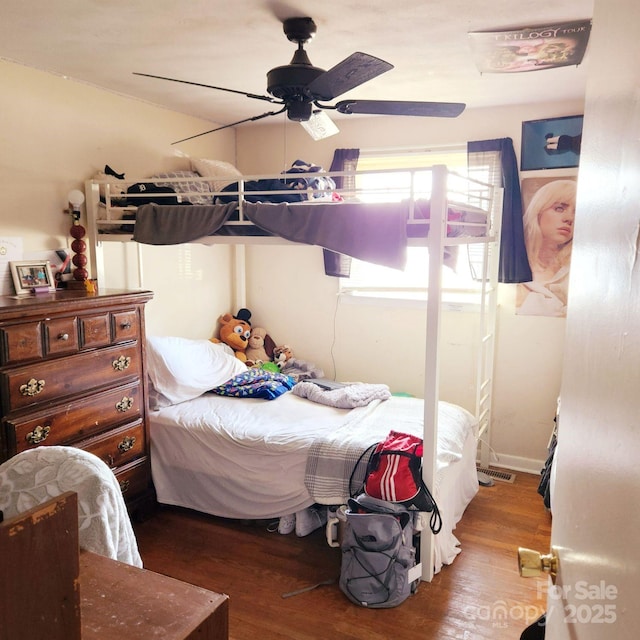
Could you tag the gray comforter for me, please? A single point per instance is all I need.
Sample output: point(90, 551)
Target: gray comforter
point(372, 232)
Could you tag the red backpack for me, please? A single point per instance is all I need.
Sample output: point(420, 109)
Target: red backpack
point(394, 474)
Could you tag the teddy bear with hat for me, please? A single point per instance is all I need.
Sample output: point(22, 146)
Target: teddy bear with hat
point(235, 332)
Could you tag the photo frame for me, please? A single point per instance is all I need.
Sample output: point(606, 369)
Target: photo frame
point(32, 276)
point(553, 143)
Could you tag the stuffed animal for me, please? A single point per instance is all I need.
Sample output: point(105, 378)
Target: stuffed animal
point(281, 355)
point(260, 347)
point(235, 332)
point(255, 350)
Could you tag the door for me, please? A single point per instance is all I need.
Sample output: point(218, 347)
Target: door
point(596, 493)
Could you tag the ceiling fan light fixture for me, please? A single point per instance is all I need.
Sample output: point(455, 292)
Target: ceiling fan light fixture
point(320, 126)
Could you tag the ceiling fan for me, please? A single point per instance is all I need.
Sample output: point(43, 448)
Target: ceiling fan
point(300, 89)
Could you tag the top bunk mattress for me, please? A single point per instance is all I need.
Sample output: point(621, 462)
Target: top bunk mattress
point(343, 221)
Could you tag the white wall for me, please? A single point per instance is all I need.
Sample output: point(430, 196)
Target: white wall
point(54, 134)
point(383, 342)
point(191, 284)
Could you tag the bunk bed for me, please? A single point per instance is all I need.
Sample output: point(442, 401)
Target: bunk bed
point(457, 211)
point(308, 210)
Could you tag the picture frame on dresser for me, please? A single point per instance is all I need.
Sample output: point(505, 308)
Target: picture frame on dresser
point(32, 276)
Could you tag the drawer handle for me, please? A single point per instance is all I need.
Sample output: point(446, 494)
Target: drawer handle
point(38, 435)
point(127, 443)
point(122, 363)
point(32, 388)
point(124, 486)
point(125, 325)
point(63, 336)
point(124, 405)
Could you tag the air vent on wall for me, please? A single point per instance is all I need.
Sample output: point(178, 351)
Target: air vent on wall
point(502, 476)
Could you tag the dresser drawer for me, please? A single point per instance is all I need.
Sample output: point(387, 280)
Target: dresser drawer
point(134, 477)
point(55, 379)
point(125, 325)
point(61, 335)
point(75, 420)
point(119, 446)
point(95, 330)
point(21, 342)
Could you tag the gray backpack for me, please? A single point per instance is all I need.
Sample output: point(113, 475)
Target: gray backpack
point(377, 553)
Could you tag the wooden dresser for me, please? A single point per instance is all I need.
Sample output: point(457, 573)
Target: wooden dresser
point(72, 372)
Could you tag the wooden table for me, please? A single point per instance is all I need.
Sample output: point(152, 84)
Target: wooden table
point(50, 589)
point(119, 601)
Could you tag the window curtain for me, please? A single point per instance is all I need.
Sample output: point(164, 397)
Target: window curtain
point(337, 264)
point(514, 265)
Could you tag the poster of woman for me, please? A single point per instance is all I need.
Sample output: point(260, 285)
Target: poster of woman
point(549, 212)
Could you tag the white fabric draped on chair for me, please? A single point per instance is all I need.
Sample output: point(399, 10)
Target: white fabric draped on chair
point(37, 475)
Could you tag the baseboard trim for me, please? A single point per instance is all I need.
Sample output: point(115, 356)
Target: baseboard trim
point(516, 463)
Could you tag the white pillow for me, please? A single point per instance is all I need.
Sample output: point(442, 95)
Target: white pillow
point(182, 369)
point(224, 171)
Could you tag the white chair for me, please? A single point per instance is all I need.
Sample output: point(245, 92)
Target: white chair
point(37, 475)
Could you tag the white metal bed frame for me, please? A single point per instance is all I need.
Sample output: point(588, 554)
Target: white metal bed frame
point(105, 217)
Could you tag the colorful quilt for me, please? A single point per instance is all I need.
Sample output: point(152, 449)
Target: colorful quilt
point(255, 383)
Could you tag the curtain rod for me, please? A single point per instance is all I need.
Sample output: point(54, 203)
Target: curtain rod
point(395, 150)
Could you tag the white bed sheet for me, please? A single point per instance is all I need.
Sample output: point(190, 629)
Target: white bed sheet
point(246, 458)
point(456, 486)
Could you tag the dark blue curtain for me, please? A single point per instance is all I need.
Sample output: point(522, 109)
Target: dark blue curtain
point(514, 265)
point(336, 264)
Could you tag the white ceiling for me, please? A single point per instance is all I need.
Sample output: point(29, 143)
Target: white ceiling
point(233, 43)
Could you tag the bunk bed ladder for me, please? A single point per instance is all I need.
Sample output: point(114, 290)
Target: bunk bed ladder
point(487, 330)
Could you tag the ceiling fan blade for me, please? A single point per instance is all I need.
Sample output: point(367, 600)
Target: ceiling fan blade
point(210, 86)
point(319, 126)
point(401, 108)
point(353, 71)
point(233, 124)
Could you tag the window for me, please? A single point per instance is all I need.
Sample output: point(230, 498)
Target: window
point(411, 284)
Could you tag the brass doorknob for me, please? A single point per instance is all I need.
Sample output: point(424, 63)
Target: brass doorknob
point(532, 563)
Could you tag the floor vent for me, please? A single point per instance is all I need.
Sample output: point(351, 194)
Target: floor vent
point(502, 476)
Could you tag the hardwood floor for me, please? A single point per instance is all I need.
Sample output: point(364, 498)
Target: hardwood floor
point(479, 596)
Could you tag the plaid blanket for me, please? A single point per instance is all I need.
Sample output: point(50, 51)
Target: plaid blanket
point(336, 464)
point(334, 473)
